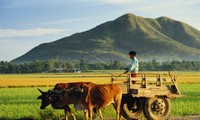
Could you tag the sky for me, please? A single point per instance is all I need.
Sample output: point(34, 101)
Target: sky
point(25, 24)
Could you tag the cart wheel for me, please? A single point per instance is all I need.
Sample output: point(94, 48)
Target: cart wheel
point(132, 108)
point(157, 108)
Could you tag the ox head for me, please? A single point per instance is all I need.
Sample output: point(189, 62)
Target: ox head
point(46, 98)
point(72, 95)
point(67, 96)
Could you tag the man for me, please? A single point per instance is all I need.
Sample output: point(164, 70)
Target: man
point(133, 68)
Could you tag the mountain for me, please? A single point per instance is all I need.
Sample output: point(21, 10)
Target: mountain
point(162, 39)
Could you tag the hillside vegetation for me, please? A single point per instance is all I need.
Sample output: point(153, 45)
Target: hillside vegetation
point(162, 38)
point(83, 66)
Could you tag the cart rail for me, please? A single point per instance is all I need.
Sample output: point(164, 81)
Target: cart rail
point(149, 84)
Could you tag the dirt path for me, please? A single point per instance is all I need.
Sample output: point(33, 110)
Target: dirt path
point(188, 117)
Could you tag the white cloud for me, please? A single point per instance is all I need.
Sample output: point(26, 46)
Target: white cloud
point(117, 1)
point(13, 48)
point(63, 21)
point(162, 6)
point(29, 32)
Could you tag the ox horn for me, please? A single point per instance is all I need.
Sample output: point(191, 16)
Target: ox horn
point(49, 91)
point(69, 89)
point(79, 89)
point(40, 90)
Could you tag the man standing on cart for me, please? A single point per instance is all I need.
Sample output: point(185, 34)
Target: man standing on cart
point(133, 68)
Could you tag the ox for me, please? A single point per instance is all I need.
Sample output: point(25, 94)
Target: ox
point(51, 96)
point(88, 97)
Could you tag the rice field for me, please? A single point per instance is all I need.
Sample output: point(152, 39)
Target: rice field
point(45, 80)
point(32, 80)
point(18, 94)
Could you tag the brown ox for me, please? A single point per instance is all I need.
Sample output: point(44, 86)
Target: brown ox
point(88, 97)
point(51, 96)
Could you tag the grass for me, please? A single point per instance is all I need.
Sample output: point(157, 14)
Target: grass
point(22, 103)
point(18, 94)
point(190, 103)
point(18, 103)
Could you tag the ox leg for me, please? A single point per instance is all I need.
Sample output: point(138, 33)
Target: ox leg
point(90, 112)
point(116, 105)
point(100, 114)
point(67, 109)
point(74, 117)
point(86, 114)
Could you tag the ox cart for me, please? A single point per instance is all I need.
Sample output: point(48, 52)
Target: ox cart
point(148, 94)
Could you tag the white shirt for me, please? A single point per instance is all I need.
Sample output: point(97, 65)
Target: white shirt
point(133, 65)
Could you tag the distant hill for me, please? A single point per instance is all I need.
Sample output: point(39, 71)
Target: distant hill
point(162, 39)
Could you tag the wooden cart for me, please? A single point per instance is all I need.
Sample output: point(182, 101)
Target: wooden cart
point(148, 94)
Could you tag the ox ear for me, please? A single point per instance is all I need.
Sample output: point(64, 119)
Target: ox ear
point(40, 90)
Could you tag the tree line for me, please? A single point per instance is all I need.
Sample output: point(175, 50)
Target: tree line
point(82, 65)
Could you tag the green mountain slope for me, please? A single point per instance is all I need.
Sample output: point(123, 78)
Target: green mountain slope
point(162, 38)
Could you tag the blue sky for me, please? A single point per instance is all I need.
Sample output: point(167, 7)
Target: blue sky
point(25, 24)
